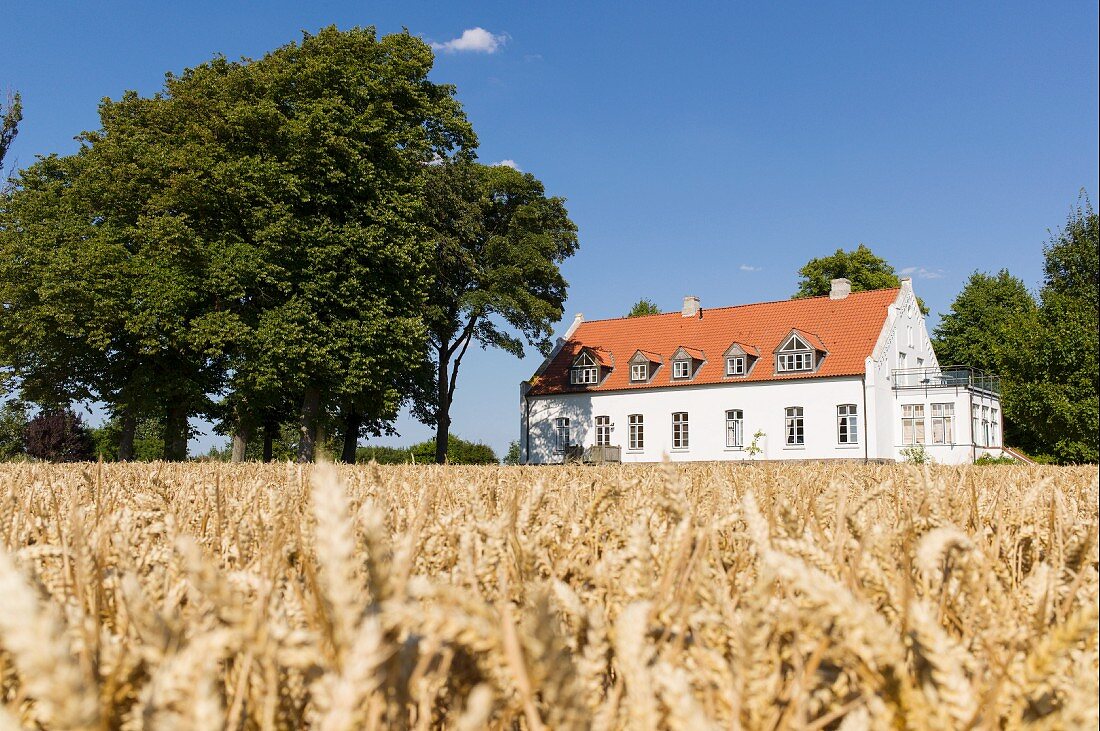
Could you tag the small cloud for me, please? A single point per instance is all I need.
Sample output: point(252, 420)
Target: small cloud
point(474, 40)
point(532, 57)
point(922, 273)
point(748, 268)
point(509, 163)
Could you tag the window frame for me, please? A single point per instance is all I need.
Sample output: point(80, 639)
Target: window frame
point(635, 368)
point(735, 365)
point(794, 426)
point(911, 422)
point(847, 425)
point(681, 364)
point(603, 431)
point(636, 432)
point(945, 421)
point(562, 426)
point(681, 437)
point(798, 361)
point(738, 429)
point(585, 375)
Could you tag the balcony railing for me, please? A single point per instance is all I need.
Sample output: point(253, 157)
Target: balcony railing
point(946, 377)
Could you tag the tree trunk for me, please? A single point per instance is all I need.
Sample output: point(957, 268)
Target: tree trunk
point(307, 429)
point(269, 439)
point(353, 420)
point(241, 437)
point(175, 432)
point(126, 438)
point(443, 409)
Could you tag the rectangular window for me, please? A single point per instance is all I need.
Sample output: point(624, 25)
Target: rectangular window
point(796, 361)
point(975, 423)
point(943, 423)
point(847, 424)
point(735, 429)
point(909, 335)
point(637, 432)
point(561, 435)
point(735, 366)
point(681, 369)
point(603, 431)
point(994, 428)
point(584, 375)
point(680, 430)
point(639, 371)
point(912, 423)
point(795, 426)
point(985, 427)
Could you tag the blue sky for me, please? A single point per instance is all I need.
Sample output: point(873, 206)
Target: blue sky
point(709, 149)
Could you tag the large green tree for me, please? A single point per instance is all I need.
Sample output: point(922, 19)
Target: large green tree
point(980, 326)
point(253, 230)
point(973, 332)
point(859, 266)
point(1051, 354)
point(497, 241)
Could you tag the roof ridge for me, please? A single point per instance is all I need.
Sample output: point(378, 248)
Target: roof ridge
point(747, 304)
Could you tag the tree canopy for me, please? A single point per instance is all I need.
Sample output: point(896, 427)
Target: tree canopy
point(11, 114)
point(253, 231)
point(974, 331)
point(497, 241)
point(644, 307)
point(1052, 389)
point(860, 267)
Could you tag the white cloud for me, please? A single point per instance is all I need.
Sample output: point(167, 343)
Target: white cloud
point(922, 273)
point(509, 163)
point(475, 40)
point(748, 268)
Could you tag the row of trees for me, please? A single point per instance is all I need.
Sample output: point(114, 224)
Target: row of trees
point(302, 239)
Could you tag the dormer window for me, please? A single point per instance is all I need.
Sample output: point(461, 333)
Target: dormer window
point(686, 362)
point(585, 370)
point(799, 352)
point(643, 365)
point(739, 358)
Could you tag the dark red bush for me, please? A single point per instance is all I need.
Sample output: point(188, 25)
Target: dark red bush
point(59, 436)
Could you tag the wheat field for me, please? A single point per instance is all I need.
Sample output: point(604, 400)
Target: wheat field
point(210, 596)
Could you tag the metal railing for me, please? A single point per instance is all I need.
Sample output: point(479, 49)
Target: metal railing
point(946, 376)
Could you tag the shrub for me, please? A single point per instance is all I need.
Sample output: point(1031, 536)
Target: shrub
point(59, 436)
point(13, 427)
point(916, 454)
point(990, 459)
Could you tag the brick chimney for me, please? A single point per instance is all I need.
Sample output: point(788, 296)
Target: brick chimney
point(691, 307)
point(841, 289)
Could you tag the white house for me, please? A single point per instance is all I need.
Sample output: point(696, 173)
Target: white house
point(847, 376)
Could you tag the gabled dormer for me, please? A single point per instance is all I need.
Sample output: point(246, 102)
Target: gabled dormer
point(643, 365)
point(686, 363)
point(799, 352)
point(739, 359)
point(590, 366)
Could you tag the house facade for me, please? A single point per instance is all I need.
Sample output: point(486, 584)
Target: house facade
point(849, 376)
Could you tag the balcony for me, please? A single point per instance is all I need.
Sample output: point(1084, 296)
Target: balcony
point(946, 377)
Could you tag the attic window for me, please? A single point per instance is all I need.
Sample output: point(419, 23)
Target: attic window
point(585, 371)
point(795, 355)
point(639, 371)
point(735, 365)
point(681, 369)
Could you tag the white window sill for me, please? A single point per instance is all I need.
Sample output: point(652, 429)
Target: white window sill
point(680, 449)
point(635, 451)
point(795, 447)
point(734, 449)
point(856, 445)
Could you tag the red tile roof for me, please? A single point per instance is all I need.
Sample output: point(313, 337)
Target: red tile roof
point(847, 329)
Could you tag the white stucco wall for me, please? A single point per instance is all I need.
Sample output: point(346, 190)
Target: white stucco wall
point(763, 405)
